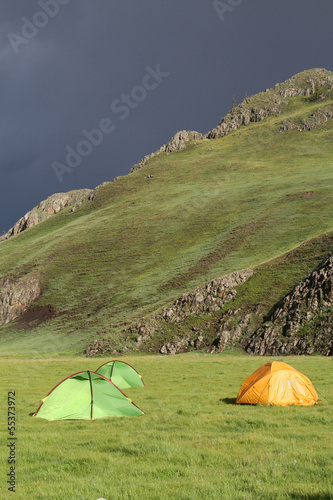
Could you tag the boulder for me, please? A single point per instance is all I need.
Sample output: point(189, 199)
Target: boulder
point(16, 296)
point(45, 209)
point(178, 142)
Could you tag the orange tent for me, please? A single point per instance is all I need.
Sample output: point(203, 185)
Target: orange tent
point(277, 383)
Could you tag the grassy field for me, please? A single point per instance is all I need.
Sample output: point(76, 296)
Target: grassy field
point(192, 443)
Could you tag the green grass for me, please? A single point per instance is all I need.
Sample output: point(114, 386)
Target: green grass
point(192, 443)
point(275, 279)
point(218, 206)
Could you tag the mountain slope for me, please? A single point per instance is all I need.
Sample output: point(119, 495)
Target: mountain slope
point(244, 309)
point(215, 207)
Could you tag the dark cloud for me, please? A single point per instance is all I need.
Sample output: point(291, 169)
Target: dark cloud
point(91, 53)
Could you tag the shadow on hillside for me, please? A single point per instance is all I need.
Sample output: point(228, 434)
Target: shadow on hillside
point(228, 401)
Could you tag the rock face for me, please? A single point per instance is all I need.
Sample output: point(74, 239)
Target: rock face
point(204, 300)
point(207, 299)
point(293, 326)
point(273, 101)
point(302, 323)
point(102, 346)
point(229, 331)
point(178, 142)
point(16, 296)
point(45, 209)
point(248, 112)
point(315, 119)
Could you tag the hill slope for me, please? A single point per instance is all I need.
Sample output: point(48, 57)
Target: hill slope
point(217, 206)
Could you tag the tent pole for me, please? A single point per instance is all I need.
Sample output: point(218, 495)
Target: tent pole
point(112, 370)
point(91, 395)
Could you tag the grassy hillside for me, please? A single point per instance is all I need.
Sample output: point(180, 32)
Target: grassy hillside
point(218, 206)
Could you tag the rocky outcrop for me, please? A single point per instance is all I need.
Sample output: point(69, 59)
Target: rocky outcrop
point(273, 101)
point(206, 299)
point(306, 83)
point(302, 323)
point(248, 111)
point(230, 329)
point(99, 347)
point(290, 328)
point(178, 142)
point(183, 344)
point(317, 82)
point(54, 204)
point(16, 296)
point(161, 329)
point(313, 121)
point(45, 209)
point(144, 160)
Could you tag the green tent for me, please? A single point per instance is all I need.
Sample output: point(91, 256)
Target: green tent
point(86, 395)
point(121, 374)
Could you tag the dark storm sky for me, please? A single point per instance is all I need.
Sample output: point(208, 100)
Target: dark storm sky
point(62, 76)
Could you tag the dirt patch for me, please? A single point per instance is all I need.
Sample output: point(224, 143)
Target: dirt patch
point(34, 316)
point(297, 196)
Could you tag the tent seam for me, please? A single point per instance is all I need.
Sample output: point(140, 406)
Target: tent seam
point(92, 396)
